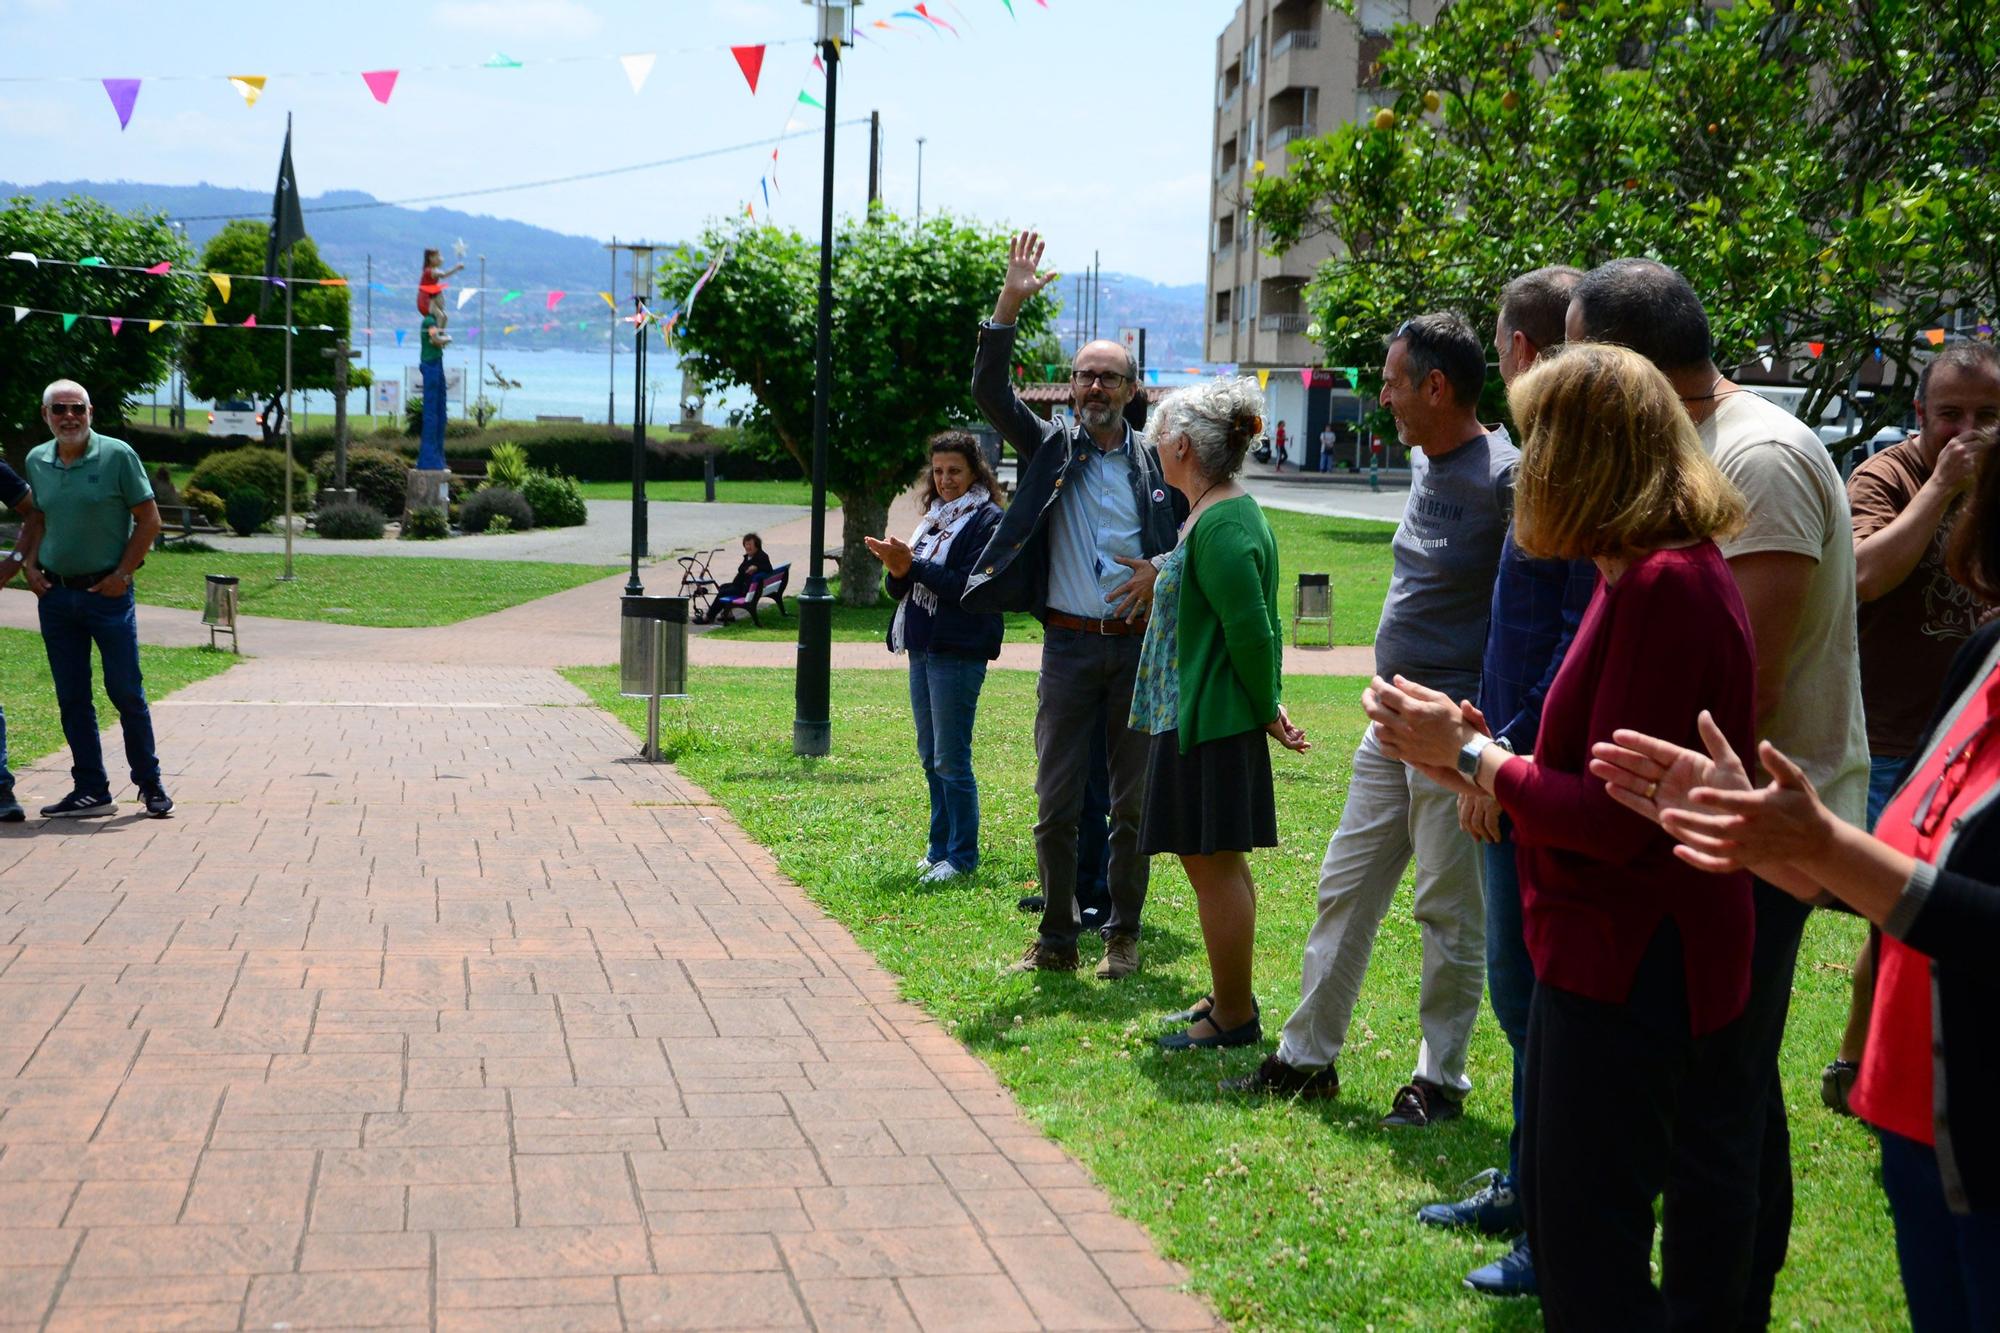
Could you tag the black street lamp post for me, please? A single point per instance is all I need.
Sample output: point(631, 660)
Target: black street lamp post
point(642, 292)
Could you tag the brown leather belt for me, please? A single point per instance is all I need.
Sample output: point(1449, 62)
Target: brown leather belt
point(1063, 620)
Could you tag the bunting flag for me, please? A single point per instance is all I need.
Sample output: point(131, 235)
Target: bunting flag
point(555, 299)
point(466, 294)
point(154, 325)
point(24, 257)
point(1815, 350)
point(809, 99)
point(381, 82)
point(510, 296)
point(1263, 379)
point(69, 322)
point(116, 324)
point(91, 261)
point(221, 281)
point(1152, 376)
point(510, 328)
point(765, 186)
point(399, 335)
point(932, 18)
point(609, 301)
point(20, 313)
point(819, 64)
point(749, 59)
point(208, 315)
point(1017, 18)
point(162, 267)
point(123, 93)
point(250, 323)
point(501, 60)
point(1306, 378)
point(1935, 337)
point(638, 69)
point(250, 85)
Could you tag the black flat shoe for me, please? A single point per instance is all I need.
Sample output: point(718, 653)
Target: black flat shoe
point(1197, 1011)
point(1248, 1035)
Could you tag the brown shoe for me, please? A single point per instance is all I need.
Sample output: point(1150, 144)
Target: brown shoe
point(1121, 957)
point(1276, 1078)
point(1420, 1104)
point(1039, 957)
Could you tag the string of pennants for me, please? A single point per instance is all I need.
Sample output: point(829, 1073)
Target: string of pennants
point(637, 66)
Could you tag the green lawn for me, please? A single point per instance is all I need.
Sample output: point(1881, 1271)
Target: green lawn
point(359, 589)
point(1288, 1215)
point(34, 728)
point(1354, 551)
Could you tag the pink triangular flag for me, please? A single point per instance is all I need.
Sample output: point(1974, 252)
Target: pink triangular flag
point(555, 298)
point(935, 19)
point(250, 323)
point(123, 93)
point(749, 59)
point(819, 64)
point(116, 324)
point(1306, 377)
point(162, 267)
point(381, 82)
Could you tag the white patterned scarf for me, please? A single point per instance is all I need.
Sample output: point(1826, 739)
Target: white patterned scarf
point(932, 541)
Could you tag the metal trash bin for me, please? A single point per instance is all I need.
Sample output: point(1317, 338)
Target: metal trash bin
point(652, 657)
point(1312, 604)
point(218, 608)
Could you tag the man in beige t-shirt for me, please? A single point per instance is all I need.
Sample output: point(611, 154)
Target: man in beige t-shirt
point(1794, 565)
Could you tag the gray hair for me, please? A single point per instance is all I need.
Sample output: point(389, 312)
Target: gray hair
point(1218, 418)
point(49, 394)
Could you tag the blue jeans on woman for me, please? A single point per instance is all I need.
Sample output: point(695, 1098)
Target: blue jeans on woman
point(1950, 1261)
point(430, 445)
point(72, 620)
point(944, 696)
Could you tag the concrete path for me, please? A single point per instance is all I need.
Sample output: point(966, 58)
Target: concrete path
point(430, 1008)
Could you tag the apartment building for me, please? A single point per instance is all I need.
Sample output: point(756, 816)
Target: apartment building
point(1285, 70)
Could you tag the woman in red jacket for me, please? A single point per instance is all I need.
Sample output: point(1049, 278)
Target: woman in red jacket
point(1642, 963)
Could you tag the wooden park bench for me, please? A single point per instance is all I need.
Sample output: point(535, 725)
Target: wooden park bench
point(467, 469)
point(179, 521)
point(767, 587)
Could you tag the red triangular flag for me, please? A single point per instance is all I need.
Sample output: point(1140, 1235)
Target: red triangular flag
point(749, 59)
point(381, 82)
point(1816, 348)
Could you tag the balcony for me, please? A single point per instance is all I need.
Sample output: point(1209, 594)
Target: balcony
point(1224, 249)
point(1283, 323)
point(1280, 135)
point(1299, 39)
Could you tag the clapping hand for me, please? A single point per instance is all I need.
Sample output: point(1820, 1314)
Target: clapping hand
point(1652, 776)
point(894, 553)
point(1023, 283)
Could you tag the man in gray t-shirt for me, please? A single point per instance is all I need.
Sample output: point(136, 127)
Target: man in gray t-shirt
point(1433, 631)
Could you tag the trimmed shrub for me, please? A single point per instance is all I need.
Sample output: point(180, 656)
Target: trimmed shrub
point(380, 477)
point(229, 470)
point(479, 509)
point(249, 509)
point(499, 523)
point(206, 503)
point(428, 524)
point(350, 520)
point(595, 453)
point(507, 466)
point(555, 499)
point(413, 422)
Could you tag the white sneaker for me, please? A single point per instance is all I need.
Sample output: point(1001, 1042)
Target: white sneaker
point(940, 872)
point(924, 863)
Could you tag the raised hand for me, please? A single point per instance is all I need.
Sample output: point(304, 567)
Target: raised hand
point(894, 554)
point(1023, 282)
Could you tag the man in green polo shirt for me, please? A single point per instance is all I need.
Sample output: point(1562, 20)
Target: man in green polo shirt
point(99, 520)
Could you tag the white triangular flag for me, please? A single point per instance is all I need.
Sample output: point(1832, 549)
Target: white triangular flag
point(638, 68)
point(23, 254)
point(466, 294)
point(20, 312)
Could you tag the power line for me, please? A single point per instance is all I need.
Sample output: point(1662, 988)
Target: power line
point(529, 185)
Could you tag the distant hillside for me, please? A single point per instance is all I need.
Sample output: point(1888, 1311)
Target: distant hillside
point(527, 257)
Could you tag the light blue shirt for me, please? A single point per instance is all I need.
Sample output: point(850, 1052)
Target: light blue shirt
point(1096, 519)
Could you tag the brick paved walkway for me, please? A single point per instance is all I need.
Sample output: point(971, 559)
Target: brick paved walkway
point(449, 1015)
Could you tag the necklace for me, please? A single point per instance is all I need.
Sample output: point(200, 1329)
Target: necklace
point(1188, 522)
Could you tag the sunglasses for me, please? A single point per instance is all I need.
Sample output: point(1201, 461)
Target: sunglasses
point(68, 409)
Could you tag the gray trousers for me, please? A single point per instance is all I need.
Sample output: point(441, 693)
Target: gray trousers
point(1393, 811)
point(1081, 673)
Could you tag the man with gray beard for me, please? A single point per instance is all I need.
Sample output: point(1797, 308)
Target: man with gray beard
point(1091, 510)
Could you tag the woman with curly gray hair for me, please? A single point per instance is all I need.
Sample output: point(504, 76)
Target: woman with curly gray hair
point(1207, 691)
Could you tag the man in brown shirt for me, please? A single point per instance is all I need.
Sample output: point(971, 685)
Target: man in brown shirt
point(1913, 615)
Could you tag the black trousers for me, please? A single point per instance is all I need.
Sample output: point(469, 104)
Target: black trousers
point(1619, 1099)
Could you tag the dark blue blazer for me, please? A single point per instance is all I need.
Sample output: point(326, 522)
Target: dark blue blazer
point(952, 630)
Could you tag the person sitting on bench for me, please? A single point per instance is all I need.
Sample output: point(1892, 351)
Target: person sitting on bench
point(756, 564)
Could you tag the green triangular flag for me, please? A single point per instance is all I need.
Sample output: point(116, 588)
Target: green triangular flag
point(91, 261)
point(69, 322)
point(807, 98)
point(510, 296)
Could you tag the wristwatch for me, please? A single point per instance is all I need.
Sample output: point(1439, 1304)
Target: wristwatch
point(1469, 753)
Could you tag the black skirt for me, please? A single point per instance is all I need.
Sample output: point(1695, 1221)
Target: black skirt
point(1215, 798)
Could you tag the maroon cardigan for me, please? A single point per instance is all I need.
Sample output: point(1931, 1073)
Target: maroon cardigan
point(1665, 641)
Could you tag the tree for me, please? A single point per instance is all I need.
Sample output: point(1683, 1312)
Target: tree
point(36, 349)
point(228, 361)
point(1823, 171)
point(907, 306)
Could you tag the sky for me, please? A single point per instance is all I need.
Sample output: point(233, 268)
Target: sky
point(1087, 119)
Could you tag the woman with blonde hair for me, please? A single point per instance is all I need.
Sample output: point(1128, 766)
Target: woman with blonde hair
point(1642, 963)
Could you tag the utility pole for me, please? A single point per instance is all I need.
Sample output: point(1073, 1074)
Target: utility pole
point(341, 353)
point(611, 345)
point(479, 373)
point(920, 180)
point(368, 336)
point(874, 163)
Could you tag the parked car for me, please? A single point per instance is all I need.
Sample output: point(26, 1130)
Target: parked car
point(236, 417)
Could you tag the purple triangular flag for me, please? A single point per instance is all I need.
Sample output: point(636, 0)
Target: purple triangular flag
point(123, 93)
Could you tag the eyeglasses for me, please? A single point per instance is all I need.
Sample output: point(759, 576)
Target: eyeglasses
point(68, 409)
point(1110, 379)
point(1944, 788)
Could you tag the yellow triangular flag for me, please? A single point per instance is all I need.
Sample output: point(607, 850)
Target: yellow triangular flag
point(153, 325)
point(250, 85)
point(1263, 379)
point(221, 281)
point(608, 301)
point(207, 315)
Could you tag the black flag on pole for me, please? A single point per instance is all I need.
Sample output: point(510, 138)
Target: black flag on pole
point(288, 224)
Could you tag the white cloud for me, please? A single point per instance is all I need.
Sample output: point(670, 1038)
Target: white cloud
point(519, 18)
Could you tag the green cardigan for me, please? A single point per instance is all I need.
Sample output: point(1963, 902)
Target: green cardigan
point(1230, 643)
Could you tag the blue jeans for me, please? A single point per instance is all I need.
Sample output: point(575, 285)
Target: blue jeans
point(1883, 774)
point(72, 620)
point(430, 447)
point(1950, 1262)
point(1510, 973)
point(944, 696)
point(6, 776)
